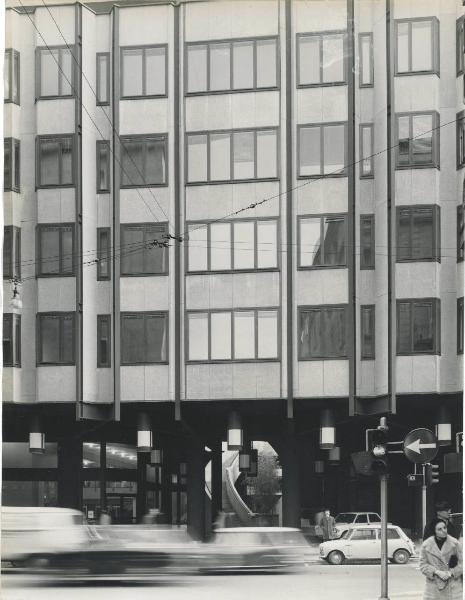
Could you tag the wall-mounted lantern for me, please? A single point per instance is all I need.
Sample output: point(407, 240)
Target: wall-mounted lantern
point(235, 432)
point(144, 433)
point(327, 429)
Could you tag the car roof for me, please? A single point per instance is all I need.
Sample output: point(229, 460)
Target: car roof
point(372, 526)
point(257, 530)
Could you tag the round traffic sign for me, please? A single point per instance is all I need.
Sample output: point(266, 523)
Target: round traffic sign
point(420, 445)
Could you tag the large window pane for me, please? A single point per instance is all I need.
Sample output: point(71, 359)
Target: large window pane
point(220, 246)
point(311, 334)
point(422, 139)
point(49, 250)
point(423, 331)
point(50, 339)
point(198, 336)
point(132, 336)
point(334, 149)
point(367, 242)
point(220, 336)
point(220, 156)
point(66, 250)
point(403, 151)
point(132, 260)
point(7, 71)
point(422, 233)
point(366, 165)
point(309, 60)
point(333, 58)
point(334, 241)
point(220, 67)
point(366, 59)
point(198, 249)
point(367, 330)
point(103, 166)
point(244, 245)
point(422, 51)
point(49, 72)
point(155, 339)
point(131, 68)
point(267, 251)
point(335, 332)
point(403, 234)
point(67, 339)
point(243, 65)
point(267, 154)
point(403, 47)
point(266, 63)
point(309, 151)
point(155, 161)
point(155, 77)
point(267, 334)
point(197, 158)
point(66, 74)
point(244, 335)
point(49, 162)
point(103, 76)
point(243, 145)
point(403, 327)
point(66, 161)
point(310, 242)
point(197, 68)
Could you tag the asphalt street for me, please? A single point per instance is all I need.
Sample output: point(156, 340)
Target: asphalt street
point(316, 582)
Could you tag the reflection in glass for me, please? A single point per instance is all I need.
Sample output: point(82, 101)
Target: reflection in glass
point(243, 65)
point(120, 456)
point(198, 336)
point(243, 157)
point(220, 336)
point(196, 68)
point(220, 67)
point(244, 334)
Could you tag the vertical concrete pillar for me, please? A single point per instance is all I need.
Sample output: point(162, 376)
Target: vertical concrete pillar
point(196, 491)
point(141, 504)
point(289, 459)
point(166, 484)
point(69, 473)
point(217, 484)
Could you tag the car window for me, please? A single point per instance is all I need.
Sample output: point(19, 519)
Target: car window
point(374, 518)
point(240, 539)
point(392, 534)
point(363, 534)
point(362, 519)
point(345, 518)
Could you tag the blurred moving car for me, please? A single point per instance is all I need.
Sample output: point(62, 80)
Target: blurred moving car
point(364, 543)
point(346, 520)
point(255, 549)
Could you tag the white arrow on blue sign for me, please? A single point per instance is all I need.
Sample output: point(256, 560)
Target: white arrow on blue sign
point(420, 445)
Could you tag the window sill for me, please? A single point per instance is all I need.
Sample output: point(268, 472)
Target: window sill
point(166, 273)
point(326, 176)
point(366, 85)
point(148, 97)
point(54, 275)
point(413, 73)
point(238, 91)
point(230, 181)
point(12, 189)
point(102, 103)
point(103, 191)
point(367, 358)
point(370, 268)
point(10, 101)
point(55, 186)
point(301, 86)
point(414, 260)
point(52, 364)
point(144, 364)
point(429, 353)
point(143, 186)
point(103, 278)
point(425, 166)
point(232, 361)
point(320, 358)
point(234, 271)
point(321, 267)
point(372, 176)
point(67, 97)
point(5, 366)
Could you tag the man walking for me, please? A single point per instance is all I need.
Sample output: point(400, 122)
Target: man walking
point(327, 525)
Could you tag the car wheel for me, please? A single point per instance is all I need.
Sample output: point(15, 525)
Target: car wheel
point(336, 558)
point(401, 557)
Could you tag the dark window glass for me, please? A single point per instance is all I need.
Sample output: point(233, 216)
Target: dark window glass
point(320, 59)
point(103, 340)
point(367, 332)
point(143, 161)
point(55, 161)
point(323, 241)
point(55, 72)
point(145, 252)
point(361, 519)
point(367, 241)
point(417, 48)
point(392, 534)
point(323, 332)
point(143, 71)
point(460, 325)
point(363, 534)
point(417, 140)
point(103, 166)
point(55, 246)
point(11, 76)
point(103, 253)
point(144, 338)
point(461, 139)
point(11, 340)
point(365, 57)
point(418, 326)
point(12, 252)
point(56, 338)
point(103, 78)
point(418, 233)
point(460, 46)
point(460, 231)
point(321, 150)
point(11, 171)
point(366, 150)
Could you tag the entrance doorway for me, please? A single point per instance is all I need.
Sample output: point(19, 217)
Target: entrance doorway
point(122, 509)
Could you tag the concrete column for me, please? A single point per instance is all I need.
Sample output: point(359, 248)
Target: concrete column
point(217, 483)
point(69, 473)
point(166, 484)
point(289, 459)
point(196, 491)
point(141, 504)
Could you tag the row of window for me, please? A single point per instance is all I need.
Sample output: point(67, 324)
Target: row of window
point(249, 244)
point(232, 65)
point(234, 335)
point(228, 156)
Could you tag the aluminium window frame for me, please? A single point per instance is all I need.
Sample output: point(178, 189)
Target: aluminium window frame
point(231, 41)
point(13, 182)
point(164, 230)
point(435, 46)
point(101, 319)
point(61, 315)
point(143, 48)
point(38, 58)
point(436, 218)
point(461, 229)
point(301, 310)
point(144, 137)
point(460, 45)
point(436, 325)
point(361, 66)
point(208, 312)
point(460, 146)
point(321, 217)
point(60, 137)
point(13, 57)
point(60, 226)
point(103, 254)
point(369, 218)
point(435, 144)
point(14, 270)
point(371, 354)
point(143, 315)
point(460, 325)
point(231, 132)
point(98, 87)
point(13, 321)
point(208, 222)
point(103, 144)
point(321, 35)
point(322, 126)
point(370, 155)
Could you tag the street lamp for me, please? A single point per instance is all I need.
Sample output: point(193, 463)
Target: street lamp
point(327, 429)
point(334, 455)
point(235, 433)
point(156, 457)
point(443, 427)
point(36, 436)
point(144, 433)
point(319, 466)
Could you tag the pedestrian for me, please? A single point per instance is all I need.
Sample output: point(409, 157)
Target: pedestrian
point(105, 518)
point(443, 511)
point(327, 526)
point(441, 564)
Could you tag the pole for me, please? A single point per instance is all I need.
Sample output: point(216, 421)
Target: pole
point(423, 502)
point(383, 480)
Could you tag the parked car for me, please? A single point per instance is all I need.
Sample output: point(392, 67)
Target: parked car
point(346, 520)
point(255, 549)
point(364, 543)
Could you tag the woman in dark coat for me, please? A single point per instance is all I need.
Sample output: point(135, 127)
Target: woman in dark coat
point(441, 563)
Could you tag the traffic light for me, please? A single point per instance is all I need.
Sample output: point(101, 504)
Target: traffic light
point(378, 447)
point(431, 474)
point(414, 480)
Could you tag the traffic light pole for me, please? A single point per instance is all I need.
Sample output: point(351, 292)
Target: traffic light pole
point(383, 480)
point(423, 502)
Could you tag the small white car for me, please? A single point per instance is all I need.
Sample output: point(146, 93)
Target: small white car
point(364, 543)
point(346, 520)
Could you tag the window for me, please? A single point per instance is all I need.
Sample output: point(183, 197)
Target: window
point(238, 335)
point(322, 332)
point(417, 47)
point(141, 254)
point(103, 78)
point(417, 143)
point(11, 171)
point(55, 339)
point(323, 241)
point(419, 326)
point(55, 250)
point(361, 519)
point(322, 150)
point(374, 518)
point(103, 253)
point(103, 166)
point(365, 60)
point(232, 156)
point(367, 150)
point(460, 325)
point(103, 341)
point(55, 161)
point(11, 340)
point(363, 534)
point(461, 139)
point(460, 232)
point(367, 242)
point(143, 160)
point(418, 233)
point(11, 252)
point(11, 76)
point(235, 245)
point(144, 338)
point(460, 46)
point(367, 332)
point(392, 534)
point(231, 65)
point(55, 72)
point(143, 71)
point(320, 59)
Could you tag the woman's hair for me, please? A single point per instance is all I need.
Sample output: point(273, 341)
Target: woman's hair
point(434, 522)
